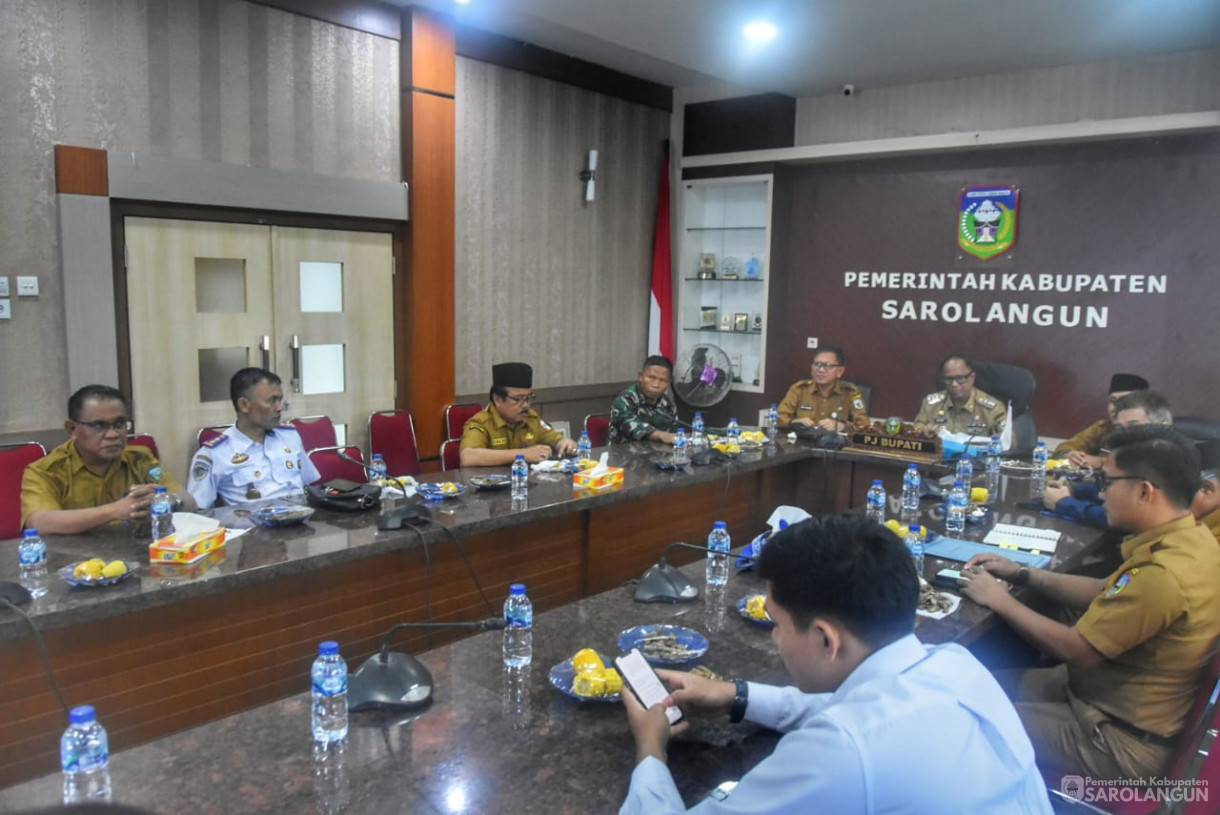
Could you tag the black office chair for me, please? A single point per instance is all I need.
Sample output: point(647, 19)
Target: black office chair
point(1009, 383)
point(1197, 427)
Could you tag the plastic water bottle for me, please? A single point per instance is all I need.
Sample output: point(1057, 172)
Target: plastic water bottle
point(519, 633)
point(1038, 485)
point(681, 457)
point(876, 502)
point(329, 675)
point(718, 546)
point(84, 755)
point(772, 421)
point(995, 455)
point(910, 489)
point(32, 554)
point(697, 439)
point(965, 468)
point(584, 446)
point(914, 544)
point(734, 432)
point(955, 516)
point(379, 470)
point(161, 514)
point(520, 478)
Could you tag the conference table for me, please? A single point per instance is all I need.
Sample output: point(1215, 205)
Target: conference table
point(207, 671)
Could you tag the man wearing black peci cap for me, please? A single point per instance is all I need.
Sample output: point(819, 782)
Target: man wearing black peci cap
point(1084, 449)
point(1206, 506)
point(508, 425)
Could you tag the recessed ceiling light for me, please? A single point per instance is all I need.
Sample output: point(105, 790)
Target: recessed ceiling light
point(760, 31)
point(462, 2)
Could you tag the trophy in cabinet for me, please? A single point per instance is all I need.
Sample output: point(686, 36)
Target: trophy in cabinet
point(707, 266)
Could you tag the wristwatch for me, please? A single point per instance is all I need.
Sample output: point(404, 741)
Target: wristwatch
point(1021, 578)
point(739, 701)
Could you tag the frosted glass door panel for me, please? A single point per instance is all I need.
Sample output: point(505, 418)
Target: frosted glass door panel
point(321, 369)
point(321, 286)
point(220, 286)
point(216, 368)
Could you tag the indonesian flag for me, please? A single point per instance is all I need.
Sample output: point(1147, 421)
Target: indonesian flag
point(661, 309)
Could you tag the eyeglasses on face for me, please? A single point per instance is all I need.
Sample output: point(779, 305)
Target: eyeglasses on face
point(521, 399)
point(959, 380)
point(120, 426)
point(825, 366)
point(1104, 481)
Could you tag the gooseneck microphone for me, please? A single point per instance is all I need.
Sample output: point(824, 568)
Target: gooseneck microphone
point(665, 583)
point(392, 680)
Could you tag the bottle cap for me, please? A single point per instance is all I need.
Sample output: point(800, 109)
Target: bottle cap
point(328, 648)
point(1041, 444)
point(520, 456)
point(877, 482)
point(915, 529)
point(912, 467)
point(995, 438)
point(30, 533)
point(698, 414)
point(82, 715)
point(957, 485)
point(517, 588)
point(720, 525)
point(376, 456)
point(160, 490)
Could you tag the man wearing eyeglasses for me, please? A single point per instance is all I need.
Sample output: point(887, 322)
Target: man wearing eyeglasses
point(508, 425)
point(1081, 502)
point(1084, 449)
point(95, 477)
point(824, 401)
point(1206, 506)
point(1132, 662)
point(961, 407)
point(257, 457)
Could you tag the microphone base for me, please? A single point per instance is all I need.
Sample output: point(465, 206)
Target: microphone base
point(663, 583)
point(402, 682)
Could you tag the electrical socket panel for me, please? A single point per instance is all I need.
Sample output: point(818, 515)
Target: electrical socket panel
point(6, 310)
point(811, 342)
point(27, 286)
point(3, 287)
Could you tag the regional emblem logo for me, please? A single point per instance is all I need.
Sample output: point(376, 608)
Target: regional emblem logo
point(987, 221)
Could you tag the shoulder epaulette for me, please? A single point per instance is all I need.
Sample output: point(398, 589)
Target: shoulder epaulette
point(215, 440)
point(935, 398)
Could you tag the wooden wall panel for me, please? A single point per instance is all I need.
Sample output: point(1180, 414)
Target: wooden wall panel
point(81, 171)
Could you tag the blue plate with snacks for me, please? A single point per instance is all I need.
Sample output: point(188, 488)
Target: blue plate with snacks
point(665, 645)
point(563, 675)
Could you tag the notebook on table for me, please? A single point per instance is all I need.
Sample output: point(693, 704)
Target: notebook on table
point(1011, 536)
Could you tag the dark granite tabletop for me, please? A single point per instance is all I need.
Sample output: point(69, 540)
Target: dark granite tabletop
point(494, 740)
point(330, 538)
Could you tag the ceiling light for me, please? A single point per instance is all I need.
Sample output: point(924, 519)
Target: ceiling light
point(760, 31)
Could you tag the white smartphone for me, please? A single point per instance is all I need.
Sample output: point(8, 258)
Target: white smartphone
point(644, 682)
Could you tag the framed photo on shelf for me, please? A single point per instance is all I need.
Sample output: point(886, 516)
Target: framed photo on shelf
point(726, 322)
point(741, 321)
point(707, 317)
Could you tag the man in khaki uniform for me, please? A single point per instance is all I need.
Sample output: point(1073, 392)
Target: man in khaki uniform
point(508, 426)
point(94, 477)
point(1206, 506)
point(1133, 661)
point(961, 407)
point(824, 401)
point(1084, 449)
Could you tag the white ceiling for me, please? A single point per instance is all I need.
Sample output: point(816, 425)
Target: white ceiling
point(824, 44)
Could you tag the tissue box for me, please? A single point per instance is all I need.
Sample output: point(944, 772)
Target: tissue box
point(188, 571)
point(582, 492)
point(171, 550)
point(585, 480)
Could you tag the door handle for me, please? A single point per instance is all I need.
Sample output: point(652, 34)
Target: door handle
point(266, 349)
point(295, 345)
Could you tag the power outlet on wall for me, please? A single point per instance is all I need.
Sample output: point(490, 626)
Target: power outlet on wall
point(811, 342)
point(6, 310)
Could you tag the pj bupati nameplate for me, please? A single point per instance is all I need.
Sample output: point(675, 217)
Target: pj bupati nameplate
point(898, 444)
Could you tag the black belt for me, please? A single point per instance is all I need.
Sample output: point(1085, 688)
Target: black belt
point(1143, 735)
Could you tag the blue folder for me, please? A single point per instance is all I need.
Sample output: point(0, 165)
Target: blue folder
point(957, 549)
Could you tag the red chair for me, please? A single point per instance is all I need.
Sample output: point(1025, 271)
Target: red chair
point(316, 432)
point(206, 434)
point(330, 463)
point(597, 425)
point(456, 417)
point(1195, 756)
point(392, 434)
point(144, 440)
point(451, 454)
point(13, 461)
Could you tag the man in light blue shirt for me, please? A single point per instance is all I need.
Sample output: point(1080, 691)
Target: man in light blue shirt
point(877, 722)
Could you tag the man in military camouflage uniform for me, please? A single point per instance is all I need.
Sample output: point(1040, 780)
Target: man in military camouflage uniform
point(508, 425)
point(824, 401)
point(646, 410)
point(1084, 449)
point(961, 407)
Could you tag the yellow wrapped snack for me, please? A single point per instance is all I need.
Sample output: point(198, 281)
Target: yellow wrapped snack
point(590, 683)
point(587, 659)
point(449, 488)
point(728, 448)
point(115, 568)
point(756, 607)
point(614, 682)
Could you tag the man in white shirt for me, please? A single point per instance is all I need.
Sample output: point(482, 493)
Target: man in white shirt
point(877, 722)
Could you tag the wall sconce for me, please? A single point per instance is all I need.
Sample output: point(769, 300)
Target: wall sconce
point(589, 175)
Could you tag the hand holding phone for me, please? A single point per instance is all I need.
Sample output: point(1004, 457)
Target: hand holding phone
point(643, 681)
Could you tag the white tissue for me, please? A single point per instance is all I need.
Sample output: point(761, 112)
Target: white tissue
point(601, 467)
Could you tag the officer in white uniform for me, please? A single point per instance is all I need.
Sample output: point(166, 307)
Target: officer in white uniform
point(256, 458)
